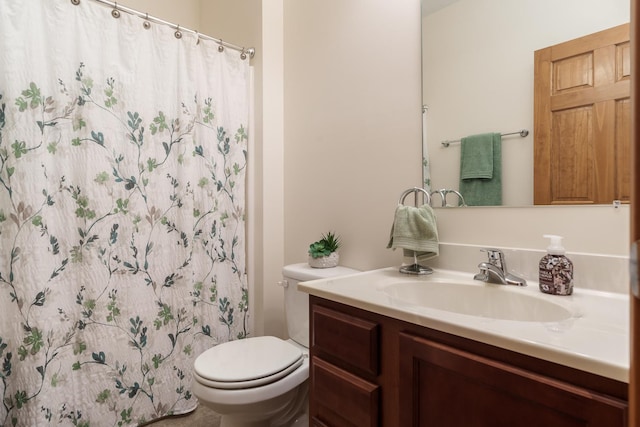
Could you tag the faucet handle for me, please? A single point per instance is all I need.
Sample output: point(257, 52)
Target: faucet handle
point(496, 269)
point(496, 257)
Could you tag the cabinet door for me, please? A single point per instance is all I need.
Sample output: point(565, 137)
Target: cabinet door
point(341, 399)
point(444, 386)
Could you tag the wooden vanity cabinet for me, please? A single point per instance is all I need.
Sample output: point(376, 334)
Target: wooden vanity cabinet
point(344, 369)
point(372, 370)
point(443, 386)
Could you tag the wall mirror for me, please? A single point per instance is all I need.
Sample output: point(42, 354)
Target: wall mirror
point(478, 70)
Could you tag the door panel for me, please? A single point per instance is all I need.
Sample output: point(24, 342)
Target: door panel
point(581, 97)
point(634, 375)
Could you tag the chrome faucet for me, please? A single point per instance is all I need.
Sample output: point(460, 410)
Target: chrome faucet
point(495, 270)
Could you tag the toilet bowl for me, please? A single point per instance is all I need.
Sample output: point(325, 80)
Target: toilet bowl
point(267, 391)
point(263, 381)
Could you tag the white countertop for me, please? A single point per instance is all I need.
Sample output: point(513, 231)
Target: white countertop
point(594, 339)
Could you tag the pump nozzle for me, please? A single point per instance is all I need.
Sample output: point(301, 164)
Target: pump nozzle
point(555, 247)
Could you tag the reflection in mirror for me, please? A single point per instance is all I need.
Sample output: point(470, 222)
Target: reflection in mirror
point(477, 63)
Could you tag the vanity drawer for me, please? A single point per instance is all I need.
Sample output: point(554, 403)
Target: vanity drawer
point(341, 398)
point(350, 339)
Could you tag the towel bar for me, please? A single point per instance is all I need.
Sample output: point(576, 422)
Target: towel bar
point(416, 268)
point(523, 133)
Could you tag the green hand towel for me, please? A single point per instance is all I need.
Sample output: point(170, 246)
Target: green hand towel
point(481, 170)
point(476, 156)
point(414, 229)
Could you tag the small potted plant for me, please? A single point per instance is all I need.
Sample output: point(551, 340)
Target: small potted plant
point(324, 252)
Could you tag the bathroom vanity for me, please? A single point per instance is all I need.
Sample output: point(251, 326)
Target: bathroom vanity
point(381, 355)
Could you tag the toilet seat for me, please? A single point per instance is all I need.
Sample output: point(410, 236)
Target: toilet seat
point(247, 363)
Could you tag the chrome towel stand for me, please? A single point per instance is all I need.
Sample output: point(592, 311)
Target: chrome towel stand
point(415, 268)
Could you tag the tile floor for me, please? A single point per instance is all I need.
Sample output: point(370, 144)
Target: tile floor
point(201, 417)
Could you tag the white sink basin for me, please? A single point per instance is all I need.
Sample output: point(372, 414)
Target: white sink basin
point(482, 300)
point(588, 330)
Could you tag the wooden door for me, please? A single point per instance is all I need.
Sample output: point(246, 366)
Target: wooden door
point(582, 115)
point(634, 375)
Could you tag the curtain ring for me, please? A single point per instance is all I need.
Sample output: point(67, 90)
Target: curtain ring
point(146, 24)
point(197, 38)
point(221, 46)
point(178, 33)
point(75, 2)
point(243, 55)
point(115, 12)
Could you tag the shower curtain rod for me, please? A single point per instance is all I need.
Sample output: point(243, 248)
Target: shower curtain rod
point(179, 30)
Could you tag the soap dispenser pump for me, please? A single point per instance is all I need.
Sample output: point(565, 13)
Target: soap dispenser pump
point(555, 269)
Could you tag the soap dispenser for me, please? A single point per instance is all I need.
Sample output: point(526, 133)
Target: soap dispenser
point(556, 270)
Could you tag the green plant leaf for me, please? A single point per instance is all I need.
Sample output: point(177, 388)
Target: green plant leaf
point(34, 340)
point(78, 123)
point(103, 396)
point(97, 137)
point(21, 398)
point(21, 104)
point(19, 148)
point(99, 357)
point(102, 177)
point(325, 246)
point(33, 93)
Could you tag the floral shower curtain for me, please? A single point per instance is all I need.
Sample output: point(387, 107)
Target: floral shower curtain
point(122, 213)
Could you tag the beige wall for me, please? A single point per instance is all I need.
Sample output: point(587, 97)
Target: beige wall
point(352, 123)
point(271, 230)
point(186, 14)
point(590, 229)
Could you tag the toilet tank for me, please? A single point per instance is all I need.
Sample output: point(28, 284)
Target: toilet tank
point(296, 304)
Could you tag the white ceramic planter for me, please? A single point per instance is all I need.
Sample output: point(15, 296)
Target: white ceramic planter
point(325, 261)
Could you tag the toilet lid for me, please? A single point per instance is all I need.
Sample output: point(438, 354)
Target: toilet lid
point(246, 363)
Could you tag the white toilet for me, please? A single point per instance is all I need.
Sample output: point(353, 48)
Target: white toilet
point(262, 381)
